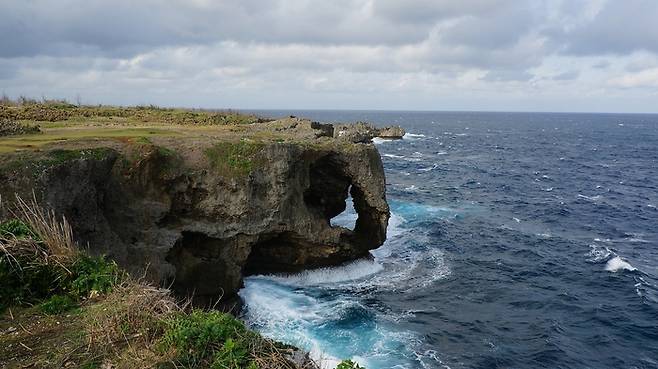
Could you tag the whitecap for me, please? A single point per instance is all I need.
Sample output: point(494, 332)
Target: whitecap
point(590, 198)
point(598, 253)
point(413, 136)
point(517, 220)
point(548, 189)
point(379, 140)
point(411, 188)
point(616, 264)
point(393, 156)
point(428, 168)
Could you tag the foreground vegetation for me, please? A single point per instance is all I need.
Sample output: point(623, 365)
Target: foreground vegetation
point(64, 308)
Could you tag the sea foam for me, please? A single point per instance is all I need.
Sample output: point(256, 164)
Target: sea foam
point(616, 264)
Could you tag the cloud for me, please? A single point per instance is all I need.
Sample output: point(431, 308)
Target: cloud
point(619, 27)
point(360, 53)
point(647, 78)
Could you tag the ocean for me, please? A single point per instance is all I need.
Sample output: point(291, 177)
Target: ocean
point(517, 240)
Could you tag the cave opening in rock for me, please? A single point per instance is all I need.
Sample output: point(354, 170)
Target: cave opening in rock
point(346, 219)
point(203, 267)
point(331, 192)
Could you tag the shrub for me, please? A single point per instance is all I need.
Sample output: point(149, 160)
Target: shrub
point(349, 364)
point(16, 228)
point(38, 259)
point(93, 275)
point(206, 338)
point(57, 304)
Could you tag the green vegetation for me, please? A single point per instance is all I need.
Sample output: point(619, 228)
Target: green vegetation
point(30, 274)
point(209, 339)
point(57, 304)
point(79, 311)
point(234, 159)
point(349, 364)
point(60, 110)
point(60, 156)
point(16, 228)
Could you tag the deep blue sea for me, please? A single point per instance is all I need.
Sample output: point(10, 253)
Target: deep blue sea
point(517, 240)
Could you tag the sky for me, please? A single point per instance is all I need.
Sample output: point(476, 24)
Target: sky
point(493, 55)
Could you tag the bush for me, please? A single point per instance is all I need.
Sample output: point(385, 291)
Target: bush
point(349, 364)
point(92, 275)
point(16, 228)
point(57, 304)
point(209, 338)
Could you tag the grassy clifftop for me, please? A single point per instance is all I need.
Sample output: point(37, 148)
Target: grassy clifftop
point(33, 126)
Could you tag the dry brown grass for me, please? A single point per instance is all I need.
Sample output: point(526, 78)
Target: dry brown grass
point(56, 235)
point(53, 242)
point(126, 325)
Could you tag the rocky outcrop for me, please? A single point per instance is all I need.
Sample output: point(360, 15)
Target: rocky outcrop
point(391, 133)
point(200, 214)
point(362, 132)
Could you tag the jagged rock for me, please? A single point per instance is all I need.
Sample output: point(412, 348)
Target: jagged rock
point(391, 132)
point(201, 213)
point(362, 132)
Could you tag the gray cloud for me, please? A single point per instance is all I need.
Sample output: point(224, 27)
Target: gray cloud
point(237, 50)
point(620, 27)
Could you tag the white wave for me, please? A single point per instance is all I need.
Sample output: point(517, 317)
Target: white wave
point(651, 206)
point(548, 189)
point(598, 253)
point(411, 188)
point(413, 136)
point(590, 198)
point(316, 277)
point(616, 264)
point(428, 168)
point(379, 140)
point(442, 153)
point(516, 220)
point(393, 156)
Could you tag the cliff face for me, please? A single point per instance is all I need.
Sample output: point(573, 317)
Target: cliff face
point(200, 214)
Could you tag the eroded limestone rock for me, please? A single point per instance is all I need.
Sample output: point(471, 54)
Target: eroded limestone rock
point(201, 214)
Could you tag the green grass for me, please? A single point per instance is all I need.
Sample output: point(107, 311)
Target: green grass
point(57, 304)
point(27, 279)
point(234, 159)
point(75, 134)
point(16, 228)
point(210, 338)
point(62, 111)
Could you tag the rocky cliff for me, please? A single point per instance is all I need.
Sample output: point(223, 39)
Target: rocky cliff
point(202, 210)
